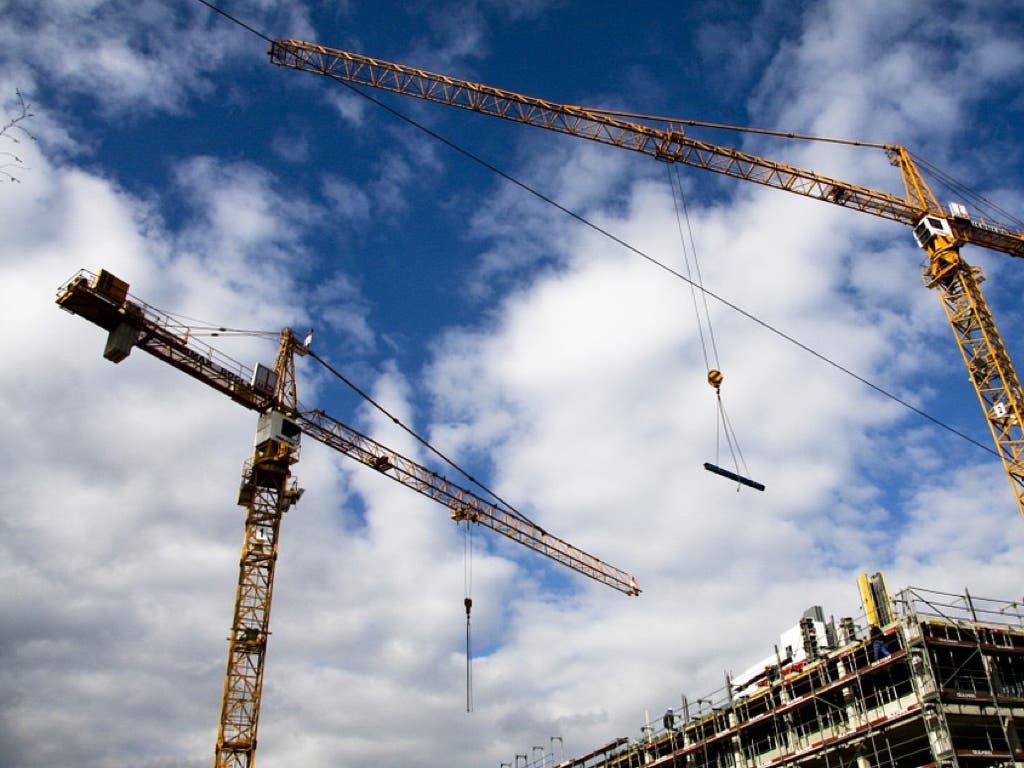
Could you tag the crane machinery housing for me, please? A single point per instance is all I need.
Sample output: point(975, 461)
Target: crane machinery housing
point(268, 489)
point(940, 232)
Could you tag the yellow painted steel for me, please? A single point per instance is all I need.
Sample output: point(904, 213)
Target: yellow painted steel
point(875, 597)
point(268, 490)
point(867, 600)
point(670, 144)
point(988, 362)
point(165, 338)
point(916, 188)
point(989, 367)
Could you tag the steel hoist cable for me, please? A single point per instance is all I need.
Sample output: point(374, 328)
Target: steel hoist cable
point(468, 602)
point(822, 357)
point(712, 364)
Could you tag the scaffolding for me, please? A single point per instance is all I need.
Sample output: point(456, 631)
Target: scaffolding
point(948, 694)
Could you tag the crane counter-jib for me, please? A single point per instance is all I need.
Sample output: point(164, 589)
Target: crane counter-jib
point(104, 300)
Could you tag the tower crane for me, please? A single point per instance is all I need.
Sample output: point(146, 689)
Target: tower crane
point(940, 232)
point(268, 489)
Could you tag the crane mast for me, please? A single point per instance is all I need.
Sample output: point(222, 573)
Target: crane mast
point(268, 489)
point(939, 233)
point(988, 363)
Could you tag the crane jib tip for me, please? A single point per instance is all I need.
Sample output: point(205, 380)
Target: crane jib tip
point(733, 476)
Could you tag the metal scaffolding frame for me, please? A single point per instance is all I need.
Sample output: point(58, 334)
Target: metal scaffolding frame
point(950, 694)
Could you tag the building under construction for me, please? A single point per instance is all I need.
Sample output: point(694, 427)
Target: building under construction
point(943, 687)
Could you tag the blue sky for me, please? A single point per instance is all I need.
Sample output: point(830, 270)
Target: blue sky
point(561, 368)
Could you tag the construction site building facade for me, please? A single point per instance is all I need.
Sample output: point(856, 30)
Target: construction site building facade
point(943, 688)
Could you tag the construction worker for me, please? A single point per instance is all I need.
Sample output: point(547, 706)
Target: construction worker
point(669, 720)
point(878, 649)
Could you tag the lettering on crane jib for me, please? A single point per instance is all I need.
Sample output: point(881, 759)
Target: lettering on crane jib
point(205, 362)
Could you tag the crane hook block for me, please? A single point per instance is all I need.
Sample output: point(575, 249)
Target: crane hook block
point(715, 378)
point(733, 476)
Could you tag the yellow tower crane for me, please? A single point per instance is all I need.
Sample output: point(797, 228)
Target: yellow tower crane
point(268, 489)
point(940, 232)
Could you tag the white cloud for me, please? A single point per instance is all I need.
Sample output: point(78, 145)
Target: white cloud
point(143, 57)
point(121, 547)
point(587, 383)
point(346, 198)
point(351, 107)
point(582, 395)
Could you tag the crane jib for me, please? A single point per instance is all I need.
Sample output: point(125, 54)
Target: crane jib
point(103, 299)
point(671, 145)
point(465, 505)
point(971, 321)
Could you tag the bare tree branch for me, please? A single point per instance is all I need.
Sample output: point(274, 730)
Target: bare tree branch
point(11, 131)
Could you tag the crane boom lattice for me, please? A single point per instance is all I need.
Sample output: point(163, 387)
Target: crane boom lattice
point(165, 338)
point(268, 490)
point(671, 144)
point(464, 504)
point(940, 233)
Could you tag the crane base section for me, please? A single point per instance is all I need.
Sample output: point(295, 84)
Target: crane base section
point(733, 476)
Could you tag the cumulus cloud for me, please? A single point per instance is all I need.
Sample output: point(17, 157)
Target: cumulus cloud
point(578, 391)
